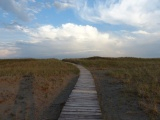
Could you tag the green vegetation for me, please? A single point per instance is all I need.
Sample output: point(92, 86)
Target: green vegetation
point(141, 78)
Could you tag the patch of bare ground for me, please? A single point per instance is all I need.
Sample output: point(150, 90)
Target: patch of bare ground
point(31, 103)
point(115, 103)
point(52, 112)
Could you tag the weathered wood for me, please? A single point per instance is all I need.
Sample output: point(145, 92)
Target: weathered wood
point(81, 116)
point(81, 110)
point(82, 103)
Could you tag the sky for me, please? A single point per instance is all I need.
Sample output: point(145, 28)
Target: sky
point(79, 28)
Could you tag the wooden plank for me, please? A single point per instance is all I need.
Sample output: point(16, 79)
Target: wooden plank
point(81, 104)
point(83, 101)
point(85, 91)
point(81, 116)
point(81, 110)
point(80, 113)
point(82, 98)
point(78, 119)
point(82, 95)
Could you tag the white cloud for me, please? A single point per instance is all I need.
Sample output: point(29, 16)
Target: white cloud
point(64, 4)
point(129, 37)
point(7, 50)
point(143, 13)
point(141, 32)
point(78, 32)
point(19, 8)
point(24, 10)
point(5, 53)
point(67, 40)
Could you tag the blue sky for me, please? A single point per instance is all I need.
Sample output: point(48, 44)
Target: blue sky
point(79, 28)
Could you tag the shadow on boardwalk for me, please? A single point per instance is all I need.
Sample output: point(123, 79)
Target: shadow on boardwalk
point(24, 106)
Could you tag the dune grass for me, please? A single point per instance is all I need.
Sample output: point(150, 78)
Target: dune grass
point(39, 67)
point(50, 77)
point(141, 78)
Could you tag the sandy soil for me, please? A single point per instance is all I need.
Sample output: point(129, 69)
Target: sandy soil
point(115, 103)
point(23, 100)
point(54, 110)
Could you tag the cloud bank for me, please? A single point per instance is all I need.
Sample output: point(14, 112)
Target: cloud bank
point(72, 40)
point(68, 39)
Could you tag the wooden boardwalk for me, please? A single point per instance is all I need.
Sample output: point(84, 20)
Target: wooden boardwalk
point(82, 103)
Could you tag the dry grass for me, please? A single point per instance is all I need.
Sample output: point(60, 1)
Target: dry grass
point(39, 67)
point(141, 78)
point(50, 77)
